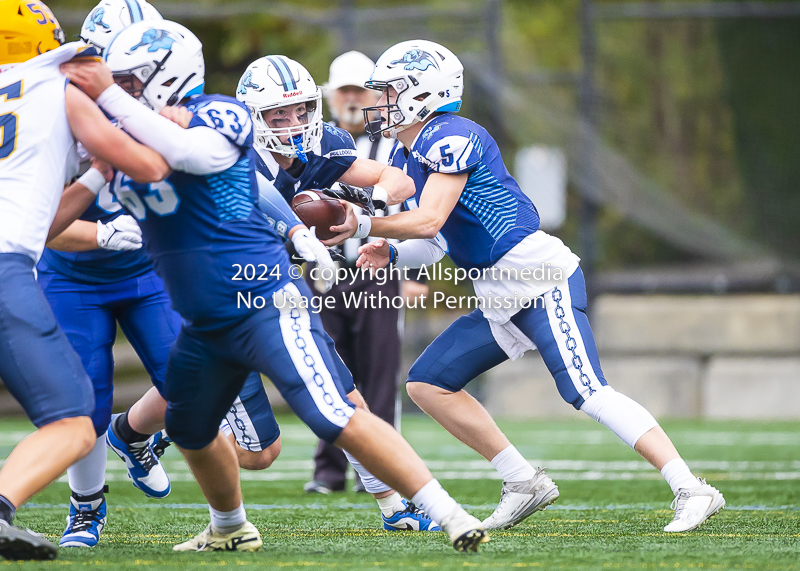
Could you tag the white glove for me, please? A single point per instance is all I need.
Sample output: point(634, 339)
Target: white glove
point(122, 233)
point(312, 250)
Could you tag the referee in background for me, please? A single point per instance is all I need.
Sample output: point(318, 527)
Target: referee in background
point(367, 339)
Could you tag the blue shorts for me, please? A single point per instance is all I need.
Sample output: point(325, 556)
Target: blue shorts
point(208, 369)
point(556, 323)
point(250, 417)
point(89, 314)
point(37, 364)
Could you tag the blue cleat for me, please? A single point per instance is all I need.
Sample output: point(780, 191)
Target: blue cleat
point(85, 522)
point(410, 519)
point(144, 468)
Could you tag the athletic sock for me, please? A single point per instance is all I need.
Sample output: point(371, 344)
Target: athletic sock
point(372, 484)
point(512, 466)
point(390, 505)
point(90, 497)
point(435, 501)
point(678, 475)
point(7, 510)
point(87, 476)
point(123, 430)
point(227, 522)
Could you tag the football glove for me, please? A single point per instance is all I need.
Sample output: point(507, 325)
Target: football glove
point(312, 250)
point(369, 197)
point(122, 233)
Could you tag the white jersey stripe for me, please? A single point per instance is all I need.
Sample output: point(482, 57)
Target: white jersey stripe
point(295, 324)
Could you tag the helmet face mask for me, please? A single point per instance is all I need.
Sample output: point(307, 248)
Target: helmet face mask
point(387, 118)
point(164, 56)
point(276, 82)
point(130, 82)
point(427, 78)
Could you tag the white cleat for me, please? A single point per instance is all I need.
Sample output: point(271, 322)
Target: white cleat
point(246, 538)
point(521, 499)
point(466, 532)
point(693, 506)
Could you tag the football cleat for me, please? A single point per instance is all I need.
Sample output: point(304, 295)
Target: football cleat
point(144, 468)
point(409, 519)
point(521, 499)
point(20, 544)
point(159, 443)
point(466, 532)
point(693, 506)
point(246, 538)
point(85, 522)
point(317, 487)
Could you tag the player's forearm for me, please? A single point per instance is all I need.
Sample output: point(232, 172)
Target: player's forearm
point(110, 144)
point(415, 223)
point(79, 236)
point(196, 151)
point(398, 185)
point(74, 202)
point(275, 208)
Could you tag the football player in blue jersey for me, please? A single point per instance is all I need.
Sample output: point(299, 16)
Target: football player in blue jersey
point(90, 292)
point(198, 229)
point(468, 206)
point(297, 151)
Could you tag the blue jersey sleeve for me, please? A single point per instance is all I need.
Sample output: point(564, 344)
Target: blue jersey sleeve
point(449, 147)
point(272, 204)
point(337, 147)
point(225, 115)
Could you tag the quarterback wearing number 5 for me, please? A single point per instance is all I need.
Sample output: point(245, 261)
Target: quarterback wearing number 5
point(468, 206)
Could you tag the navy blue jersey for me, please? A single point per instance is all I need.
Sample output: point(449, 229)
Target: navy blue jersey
point(326, 164)
point(98, 266)
point(202, 232)
point(492, 215)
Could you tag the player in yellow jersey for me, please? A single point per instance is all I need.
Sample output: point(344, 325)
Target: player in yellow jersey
point(42, 118)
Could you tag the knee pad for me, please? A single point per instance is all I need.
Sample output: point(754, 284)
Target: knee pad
point(620, 414)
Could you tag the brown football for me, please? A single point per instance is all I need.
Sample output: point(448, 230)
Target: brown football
point(317, 209)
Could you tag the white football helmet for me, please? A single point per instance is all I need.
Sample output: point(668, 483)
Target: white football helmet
point(166, 57)
point(427, 77)
point(275, 81)
point(110, 17)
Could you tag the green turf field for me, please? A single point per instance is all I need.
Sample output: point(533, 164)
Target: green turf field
point(610, 514)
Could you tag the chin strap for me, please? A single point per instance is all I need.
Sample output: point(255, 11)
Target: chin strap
point(297, 141)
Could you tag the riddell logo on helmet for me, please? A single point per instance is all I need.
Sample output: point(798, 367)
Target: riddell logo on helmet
point(292, 94)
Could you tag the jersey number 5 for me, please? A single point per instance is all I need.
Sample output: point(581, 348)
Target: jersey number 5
point(9, 121)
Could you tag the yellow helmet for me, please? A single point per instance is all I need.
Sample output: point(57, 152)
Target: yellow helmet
point(27, 29)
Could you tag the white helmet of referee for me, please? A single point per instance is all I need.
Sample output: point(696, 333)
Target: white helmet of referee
point(159, 63)
point(427, 78)
point(110, 17)
point(276, 81)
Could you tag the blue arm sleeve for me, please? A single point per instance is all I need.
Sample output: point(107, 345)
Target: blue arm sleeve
point(278, 213)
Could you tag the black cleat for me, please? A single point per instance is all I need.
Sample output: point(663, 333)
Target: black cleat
point(21, 544)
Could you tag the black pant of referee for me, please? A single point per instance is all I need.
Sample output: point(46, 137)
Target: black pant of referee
point(368, 341)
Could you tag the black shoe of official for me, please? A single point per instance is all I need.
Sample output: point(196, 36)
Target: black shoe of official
point(21, 544)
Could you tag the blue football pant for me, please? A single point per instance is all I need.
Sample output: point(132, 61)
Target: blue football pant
point(89, 314)
point(557, 325)
point(207, 370)
point(37, 364)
